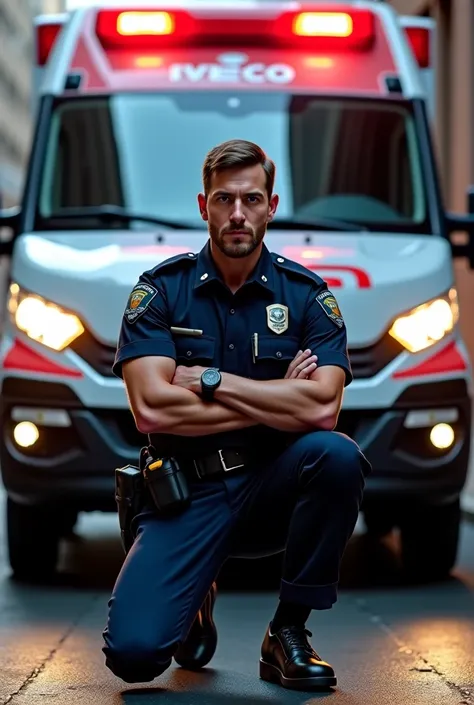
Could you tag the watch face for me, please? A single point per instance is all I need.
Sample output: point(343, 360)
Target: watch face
point(211, 377)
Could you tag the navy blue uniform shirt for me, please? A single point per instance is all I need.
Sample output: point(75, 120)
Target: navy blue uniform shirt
point(286, 305)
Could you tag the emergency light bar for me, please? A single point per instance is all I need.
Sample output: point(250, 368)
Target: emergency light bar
point(323, 24)
point(333, 27)
point(140, 23)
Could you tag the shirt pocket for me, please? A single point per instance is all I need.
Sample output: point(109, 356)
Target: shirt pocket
point(192, 350)
point(274, 356)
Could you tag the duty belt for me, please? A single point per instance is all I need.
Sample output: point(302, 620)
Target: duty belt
point(220, 462)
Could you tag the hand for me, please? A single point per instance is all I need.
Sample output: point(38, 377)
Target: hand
point(188, 378)
point(302, 365)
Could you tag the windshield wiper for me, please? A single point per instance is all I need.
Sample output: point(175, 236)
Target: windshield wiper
point(316, 224)
point(108, 213)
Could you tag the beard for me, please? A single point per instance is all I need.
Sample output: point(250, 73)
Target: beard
point(238, 246)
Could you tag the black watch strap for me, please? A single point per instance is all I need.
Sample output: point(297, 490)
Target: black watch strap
point(207, 394)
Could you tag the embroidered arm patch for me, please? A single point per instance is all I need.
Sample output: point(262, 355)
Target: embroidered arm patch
point(138, 301)
point(330, 307)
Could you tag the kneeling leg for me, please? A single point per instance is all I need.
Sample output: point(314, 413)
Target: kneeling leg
point(163, 582)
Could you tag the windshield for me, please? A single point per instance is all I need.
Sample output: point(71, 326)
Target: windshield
point(346, 159)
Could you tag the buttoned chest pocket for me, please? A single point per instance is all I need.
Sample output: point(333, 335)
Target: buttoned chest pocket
point(274, 355)
point(195, 351)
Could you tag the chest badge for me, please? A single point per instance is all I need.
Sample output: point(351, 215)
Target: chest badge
point(277, 318)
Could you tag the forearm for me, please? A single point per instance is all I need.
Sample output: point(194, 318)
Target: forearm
point(287, 405)
point(183, 413)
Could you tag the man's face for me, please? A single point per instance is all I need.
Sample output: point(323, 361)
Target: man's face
point(237, 210)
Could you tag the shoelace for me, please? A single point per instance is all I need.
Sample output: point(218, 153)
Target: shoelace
point(297, 637)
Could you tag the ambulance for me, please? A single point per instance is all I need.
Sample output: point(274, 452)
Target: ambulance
point(129, 100)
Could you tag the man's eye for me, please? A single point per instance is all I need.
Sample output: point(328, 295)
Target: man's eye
point(222, 199)
point(253, 199)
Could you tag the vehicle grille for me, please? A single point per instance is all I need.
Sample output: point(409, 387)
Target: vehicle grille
point(98, 355)
point(366, 362)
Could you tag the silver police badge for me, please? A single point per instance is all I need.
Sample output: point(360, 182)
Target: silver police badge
point(277, 318)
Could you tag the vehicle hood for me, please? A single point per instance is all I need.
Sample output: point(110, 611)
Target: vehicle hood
point(374, 276)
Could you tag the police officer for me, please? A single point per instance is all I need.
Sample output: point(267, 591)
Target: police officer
point(217, 352)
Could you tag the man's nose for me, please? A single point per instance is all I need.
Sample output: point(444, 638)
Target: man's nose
point(237, 215)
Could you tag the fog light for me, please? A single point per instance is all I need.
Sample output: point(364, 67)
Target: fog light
point(26, 434)
point(442, 436)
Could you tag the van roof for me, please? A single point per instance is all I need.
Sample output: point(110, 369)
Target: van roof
point(336, 47)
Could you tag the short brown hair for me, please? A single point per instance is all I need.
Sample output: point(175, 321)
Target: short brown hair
point(237, 153)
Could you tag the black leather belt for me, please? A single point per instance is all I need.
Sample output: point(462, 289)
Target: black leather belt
point(220, 462)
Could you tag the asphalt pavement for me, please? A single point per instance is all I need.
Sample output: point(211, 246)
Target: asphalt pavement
point(389, 643)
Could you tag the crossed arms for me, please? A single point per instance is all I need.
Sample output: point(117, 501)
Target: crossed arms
point(165, 398)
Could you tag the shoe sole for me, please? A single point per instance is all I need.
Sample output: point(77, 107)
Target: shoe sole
point(272, 674)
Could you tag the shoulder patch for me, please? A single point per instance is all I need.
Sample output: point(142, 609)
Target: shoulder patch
point(295, 268)
point(170, 261)
point(330, 307)
point(140, 298)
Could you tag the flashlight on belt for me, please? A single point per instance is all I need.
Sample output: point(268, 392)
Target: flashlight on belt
point(166, 484)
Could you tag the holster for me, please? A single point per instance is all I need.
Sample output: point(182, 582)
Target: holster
point(130, 496)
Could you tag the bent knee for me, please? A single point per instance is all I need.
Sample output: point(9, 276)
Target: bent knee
point(135, 661)
point(336, 456)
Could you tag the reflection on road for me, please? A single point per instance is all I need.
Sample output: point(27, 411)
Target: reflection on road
point(389, 642)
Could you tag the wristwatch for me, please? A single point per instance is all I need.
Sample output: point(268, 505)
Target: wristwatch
point(210, 380)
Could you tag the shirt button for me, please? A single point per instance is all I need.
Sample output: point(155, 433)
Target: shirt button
point(280, 259)
point(204, 276)
point(232, 311)
point(189, 353)
point(264, 279)
point(231, 346)
point(278, 354)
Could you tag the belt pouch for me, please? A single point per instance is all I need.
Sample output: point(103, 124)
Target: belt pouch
point(167, 485)
point(130, 499)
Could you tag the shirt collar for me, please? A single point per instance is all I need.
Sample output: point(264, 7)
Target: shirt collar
point(206, 270)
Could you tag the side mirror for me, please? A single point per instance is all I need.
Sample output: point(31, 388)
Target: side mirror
point(9, 218)
point(456, 223)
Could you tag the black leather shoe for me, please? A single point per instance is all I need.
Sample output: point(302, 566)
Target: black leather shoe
point(289, 659)
point(200, 645)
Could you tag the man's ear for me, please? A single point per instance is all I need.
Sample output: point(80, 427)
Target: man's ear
point(272, 206)
point(202, 201)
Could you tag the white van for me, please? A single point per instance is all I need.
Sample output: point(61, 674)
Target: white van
point(129, 102)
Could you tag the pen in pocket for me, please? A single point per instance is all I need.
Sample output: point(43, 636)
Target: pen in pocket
point(255, 347)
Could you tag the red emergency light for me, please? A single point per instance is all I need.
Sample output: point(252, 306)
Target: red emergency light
point(327, 28)
point(420, 40)
point(46, 35)
point(354, 28)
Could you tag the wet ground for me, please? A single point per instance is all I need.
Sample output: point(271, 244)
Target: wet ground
point(390, 644)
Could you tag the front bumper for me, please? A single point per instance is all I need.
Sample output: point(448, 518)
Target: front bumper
point(75, 464)
point(404, 461)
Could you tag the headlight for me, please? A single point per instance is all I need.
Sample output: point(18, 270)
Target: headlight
point(427, 324)
point(41, 320)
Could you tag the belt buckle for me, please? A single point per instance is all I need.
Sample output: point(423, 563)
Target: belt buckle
point(224, 466)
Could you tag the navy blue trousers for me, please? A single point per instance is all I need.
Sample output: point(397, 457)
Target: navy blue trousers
point(306, 502)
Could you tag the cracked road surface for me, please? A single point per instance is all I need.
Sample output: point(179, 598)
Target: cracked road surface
point(390, 644)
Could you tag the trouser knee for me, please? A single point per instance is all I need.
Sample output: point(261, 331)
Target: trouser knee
point(134, 663)
point(335, 460)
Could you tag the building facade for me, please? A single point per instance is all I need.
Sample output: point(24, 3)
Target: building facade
point(16, 41)
point(16, 62)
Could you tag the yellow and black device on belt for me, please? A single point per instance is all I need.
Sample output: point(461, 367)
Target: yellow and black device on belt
point(160, 479)
point(167, 484)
